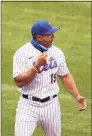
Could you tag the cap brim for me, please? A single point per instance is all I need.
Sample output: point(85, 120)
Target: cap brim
point(53, 30)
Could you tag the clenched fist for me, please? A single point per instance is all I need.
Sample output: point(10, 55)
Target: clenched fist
point(41, 60)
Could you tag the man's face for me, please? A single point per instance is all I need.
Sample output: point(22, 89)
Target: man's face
point(46, 40)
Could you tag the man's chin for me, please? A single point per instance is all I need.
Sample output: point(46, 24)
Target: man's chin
point(50, 44)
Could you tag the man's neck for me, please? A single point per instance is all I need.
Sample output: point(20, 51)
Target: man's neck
point(41, 44)
point(38, 46)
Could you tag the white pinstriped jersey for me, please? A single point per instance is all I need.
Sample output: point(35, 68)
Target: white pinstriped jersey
point(45, 83)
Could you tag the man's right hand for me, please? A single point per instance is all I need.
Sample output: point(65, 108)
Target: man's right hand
point(28, 76)
point(41, 60)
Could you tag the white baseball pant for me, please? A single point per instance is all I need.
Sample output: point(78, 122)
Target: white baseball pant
point(30, 113)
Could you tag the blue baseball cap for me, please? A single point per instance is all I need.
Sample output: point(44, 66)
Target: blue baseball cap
point(42, 28)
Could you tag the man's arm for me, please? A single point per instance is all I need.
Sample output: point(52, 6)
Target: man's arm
point(69, 84)
point(27, 77)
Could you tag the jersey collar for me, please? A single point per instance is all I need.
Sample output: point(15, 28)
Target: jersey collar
point(38, 46)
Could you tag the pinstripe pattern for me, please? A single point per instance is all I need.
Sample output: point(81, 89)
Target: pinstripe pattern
point(50, 118)
point(30, 113)
point(26, 118)
point(39, 86)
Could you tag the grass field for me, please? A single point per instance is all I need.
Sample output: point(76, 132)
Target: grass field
point(74, 38)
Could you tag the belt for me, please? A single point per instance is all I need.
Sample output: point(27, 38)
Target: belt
point(38, 99)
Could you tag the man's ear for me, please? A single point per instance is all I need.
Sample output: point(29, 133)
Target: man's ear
point(39, 37)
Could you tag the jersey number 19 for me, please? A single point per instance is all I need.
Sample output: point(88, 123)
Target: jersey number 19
point(53, 78)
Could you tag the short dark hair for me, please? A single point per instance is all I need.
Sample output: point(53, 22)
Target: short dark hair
point(34, 37)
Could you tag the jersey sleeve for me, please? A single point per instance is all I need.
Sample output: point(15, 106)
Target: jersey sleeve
point(18, 65)
point(62, 69)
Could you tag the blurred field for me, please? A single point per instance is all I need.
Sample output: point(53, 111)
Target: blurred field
point(46, 0)
point(74, 38)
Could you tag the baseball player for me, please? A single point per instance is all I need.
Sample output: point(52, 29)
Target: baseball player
point(36, 67)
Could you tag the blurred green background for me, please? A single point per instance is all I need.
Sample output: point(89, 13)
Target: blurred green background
point(74, 39)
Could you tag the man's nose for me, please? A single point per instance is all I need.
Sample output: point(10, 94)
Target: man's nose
point(53, 36)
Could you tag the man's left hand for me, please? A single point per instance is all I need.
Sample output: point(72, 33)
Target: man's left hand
point(81, 103)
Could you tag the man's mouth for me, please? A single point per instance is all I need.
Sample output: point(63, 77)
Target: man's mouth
point(52, 40)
